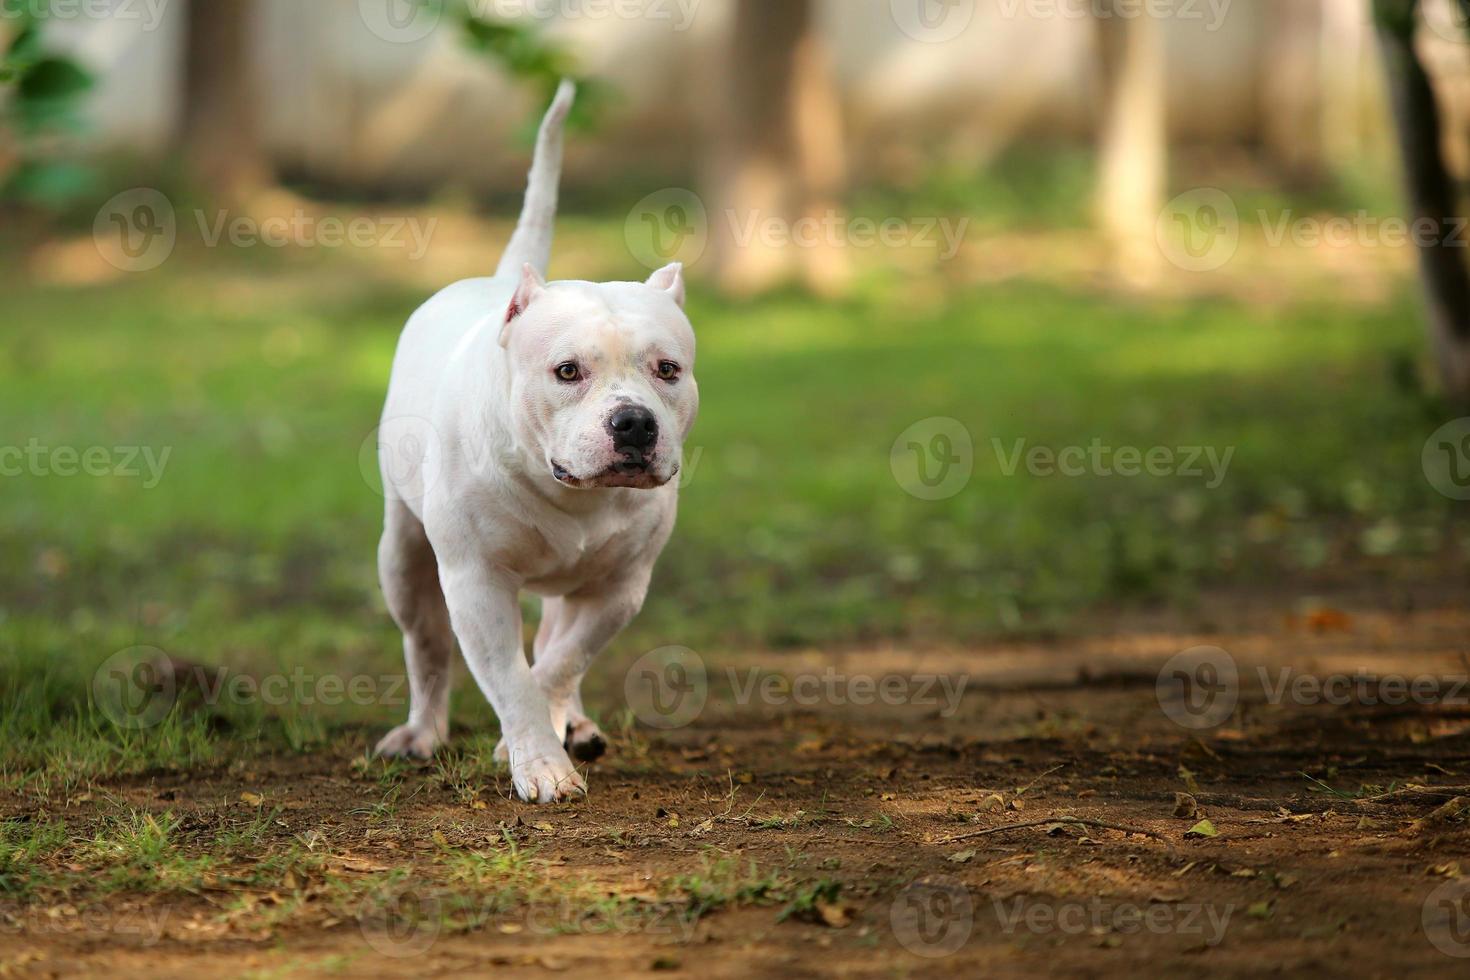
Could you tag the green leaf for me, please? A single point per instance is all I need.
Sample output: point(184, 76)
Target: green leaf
point(54, 78)
point(1202, 829)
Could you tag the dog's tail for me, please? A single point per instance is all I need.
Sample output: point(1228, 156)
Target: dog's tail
point(531, 242)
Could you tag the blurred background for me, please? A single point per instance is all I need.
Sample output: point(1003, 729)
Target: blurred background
point(1018, 318)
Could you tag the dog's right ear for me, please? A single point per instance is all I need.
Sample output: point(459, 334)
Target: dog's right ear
point(531, 286)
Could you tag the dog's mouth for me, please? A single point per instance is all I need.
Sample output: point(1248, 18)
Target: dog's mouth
point(632, 470)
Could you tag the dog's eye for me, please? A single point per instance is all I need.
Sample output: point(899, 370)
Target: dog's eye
point(668, 371)
point(568, 372)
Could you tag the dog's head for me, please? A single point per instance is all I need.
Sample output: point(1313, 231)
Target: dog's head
point(602, 377)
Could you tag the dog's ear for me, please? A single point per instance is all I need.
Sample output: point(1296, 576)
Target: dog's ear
point(670, 279)
point(531, 286)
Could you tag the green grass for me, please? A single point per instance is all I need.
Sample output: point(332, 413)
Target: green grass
point(262, 377)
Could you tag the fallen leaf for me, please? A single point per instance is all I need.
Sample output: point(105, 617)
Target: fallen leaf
point(961, 857)
point(836, 915)
point(1202, 829)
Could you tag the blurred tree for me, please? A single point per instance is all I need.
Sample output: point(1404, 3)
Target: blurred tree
point(220, 138)
point(1292, 90)
point(777, 154)
point(1132, 149)
point(44, 89)
point(1433, 197)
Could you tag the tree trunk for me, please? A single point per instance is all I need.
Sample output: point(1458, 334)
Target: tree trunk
point(1132, 151)
point(1433, 203)
point(1292, 96)
point(221, 133)
point(777, 153)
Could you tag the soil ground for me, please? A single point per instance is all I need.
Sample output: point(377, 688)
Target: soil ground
point(776, 838)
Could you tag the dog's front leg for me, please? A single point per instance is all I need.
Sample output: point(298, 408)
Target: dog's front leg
point(582, 625)
point(486, 614)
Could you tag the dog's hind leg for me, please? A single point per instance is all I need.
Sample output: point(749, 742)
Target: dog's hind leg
point(410, 578)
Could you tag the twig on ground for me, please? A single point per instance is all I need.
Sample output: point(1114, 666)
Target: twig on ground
point(1078, 821)
point(1419, 793)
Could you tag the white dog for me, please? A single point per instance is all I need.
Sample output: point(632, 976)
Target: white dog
point(530, 440)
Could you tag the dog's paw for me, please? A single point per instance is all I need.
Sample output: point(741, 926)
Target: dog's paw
point(542, 773)
point(585, 740)
point(408, 742)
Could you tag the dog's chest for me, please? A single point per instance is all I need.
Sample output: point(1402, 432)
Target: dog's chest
point(565, 562)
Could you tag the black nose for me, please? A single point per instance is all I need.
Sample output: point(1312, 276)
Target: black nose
point(633, 427)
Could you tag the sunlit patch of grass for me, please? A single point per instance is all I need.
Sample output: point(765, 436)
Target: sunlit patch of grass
point(24, 846)
point(725, 880)
point(138, 851)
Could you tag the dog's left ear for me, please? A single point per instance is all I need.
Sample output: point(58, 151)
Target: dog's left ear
point(670, 279)
point(531, 286)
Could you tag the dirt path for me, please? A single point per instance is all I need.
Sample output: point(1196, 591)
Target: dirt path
point(782, 838)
